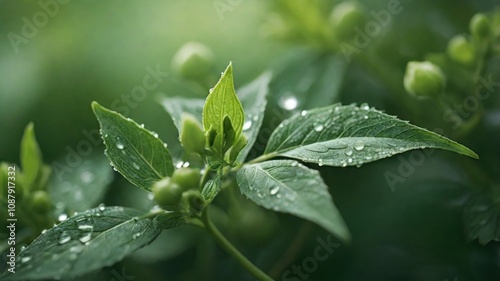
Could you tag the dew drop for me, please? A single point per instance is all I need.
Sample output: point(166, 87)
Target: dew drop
point(359, 145)
point(274, 190)
point(23, 248)
point(365, 106)
point(76, 249)
point(155, 134)
point(87, 177)
point(136, 235)
point(43, 232)
point(247, 125)
point(366, 116)
point(303, 113)
point(349, 160)
point(64, 238)
point(165, 145)
point(289, 103)
point(348, 152)
point(120, 145)
point(102, 207)
point(86, 238)
point(136, 166)
point(25, 259)
point(62, 217)
point(294, 164)
point(320, 162)
point(85, 227)
point(318, 128)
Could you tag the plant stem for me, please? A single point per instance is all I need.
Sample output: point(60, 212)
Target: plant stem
point(262, 158)
point(224, 243)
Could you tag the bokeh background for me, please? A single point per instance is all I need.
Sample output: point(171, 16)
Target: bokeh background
point(99, 50)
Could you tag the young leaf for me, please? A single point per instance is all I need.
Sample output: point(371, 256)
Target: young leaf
point(222, 103)
point(253, 100)
point(88, 241)
point(83, 187)
point(289, 187)
point(481, 218)
point(349, 135)
point(211, 189)
point(138, 154)
point(176, 106)
point(31, 156)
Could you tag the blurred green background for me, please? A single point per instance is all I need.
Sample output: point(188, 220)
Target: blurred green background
point(99, 50)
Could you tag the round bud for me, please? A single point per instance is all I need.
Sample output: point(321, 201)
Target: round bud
point(193, 61)
point(345, 17)
point(167, 193)
point(480, 26)
point(423, 79)
point(187, 178)
point(461, 50)
point(40, 201)
point(192, 137)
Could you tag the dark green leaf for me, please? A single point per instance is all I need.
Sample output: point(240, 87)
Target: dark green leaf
point(175, 106)
point(221, 102)
point(253, 100)
point(306, 79)
point(482, 218)
point(84, 186)
point(31, 156)
point(290, 187)
point(88, 241)
point(349, 135)
point(138, 154)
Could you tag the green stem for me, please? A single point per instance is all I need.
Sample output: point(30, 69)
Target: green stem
point(224, 243)
point(262, 158)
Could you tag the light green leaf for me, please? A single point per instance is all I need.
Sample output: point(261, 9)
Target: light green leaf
point(221, 102)
point(289, 187)
point(176, 106)
point(138, 154)
point(482, 218)
point(350, 135)
point(31, 156)
point(253, 100)
point(211, 189)
point(306, 79)
point(83, 187)
point(88, 241)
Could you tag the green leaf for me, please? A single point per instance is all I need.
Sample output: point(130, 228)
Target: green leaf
point(482, 218)
point(253, 100)
point(306, 79)
point(211, 189)
point(289, 187)
point(349, 135)
point(31, 156)
point(176, 106)
point(88, 241)
point(83, 187)
point(138, 154)
point(222, 103)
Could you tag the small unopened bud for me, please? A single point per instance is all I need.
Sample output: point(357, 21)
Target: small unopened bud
point(423, 79)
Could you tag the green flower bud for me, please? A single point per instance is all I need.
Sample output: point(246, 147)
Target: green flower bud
point(480, 26)
point(423, 79)
point(193, 61)
point(167, 193)
point(40, 201)
point(461, 50)
point(192, 137)
point(345, 17)
point(235, 150)
point(187, 178)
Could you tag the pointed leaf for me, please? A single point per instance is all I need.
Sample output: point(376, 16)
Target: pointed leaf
point(350, 135)
point(138, 154)
point(31, 156)
point(253, 100)
point(221, 102)
point(88, 241)
point(83, 187)
point(289, 187)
